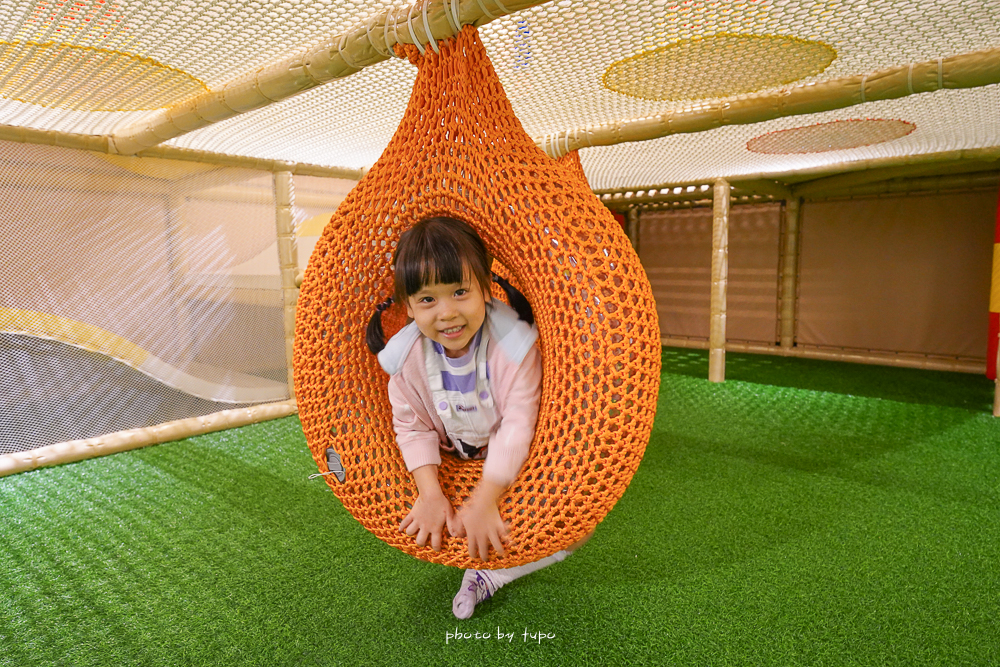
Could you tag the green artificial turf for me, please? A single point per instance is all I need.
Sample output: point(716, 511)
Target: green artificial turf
point(801, 513)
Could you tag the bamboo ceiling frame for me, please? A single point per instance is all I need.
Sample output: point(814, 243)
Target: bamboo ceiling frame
point(99, 144)
point(364, 45)
point(971, 176)
point(827, 180)
point(969, 70)
point(368, 43)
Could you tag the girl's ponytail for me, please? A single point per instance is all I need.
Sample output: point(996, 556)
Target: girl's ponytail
point(516, 299)
point(374, 335)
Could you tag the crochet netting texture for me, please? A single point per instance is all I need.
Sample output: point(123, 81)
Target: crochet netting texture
point(460, 151)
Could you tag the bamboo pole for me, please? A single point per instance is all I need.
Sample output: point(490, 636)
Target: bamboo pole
point(957, 177)
point(288, 261)
point(122, 441)
point(797, 178)
point(720, 275)
point(968, 70)
point(870, 357)
point(624, 200)
point(873, 178)
point(790, 272)
point(27, 135)
point(632, 220)
point(926, 184)
point(99, 144)
point(366, 44)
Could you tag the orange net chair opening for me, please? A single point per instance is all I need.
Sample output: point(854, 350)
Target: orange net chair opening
point(460, 151)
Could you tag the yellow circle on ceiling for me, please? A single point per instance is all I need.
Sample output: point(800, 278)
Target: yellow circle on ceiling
point(833, 136)
point(83, 78)
point(720, 65)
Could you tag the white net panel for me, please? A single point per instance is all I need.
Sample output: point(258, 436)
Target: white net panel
point(133, 292)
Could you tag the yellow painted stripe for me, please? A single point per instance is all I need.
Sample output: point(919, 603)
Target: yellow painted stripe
point(71, 332)
point(995, 290)
point(314, 225)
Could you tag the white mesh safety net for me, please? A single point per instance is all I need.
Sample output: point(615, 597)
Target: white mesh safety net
point(134, 291)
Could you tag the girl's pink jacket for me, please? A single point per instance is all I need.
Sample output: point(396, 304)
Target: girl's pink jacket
point(515, 364)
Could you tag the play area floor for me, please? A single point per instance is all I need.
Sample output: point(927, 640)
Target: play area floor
point(801, 513)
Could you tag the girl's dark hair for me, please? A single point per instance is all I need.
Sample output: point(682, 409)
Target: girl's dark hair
point(439, 250)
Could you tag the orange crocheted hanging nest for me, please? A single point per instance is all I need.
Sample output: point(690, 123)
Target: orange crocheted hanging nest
point(460, 151)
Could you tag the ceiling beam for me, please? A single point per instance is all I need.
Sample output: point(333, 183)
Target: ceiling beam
point(339, 56)
point(949, 182)
point(942, 159)
point(840, 182)
point(968, 70)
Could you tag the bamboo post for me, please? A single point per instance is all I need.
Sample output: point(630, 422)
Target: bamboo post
point(288, 261)
point(790, 271)
point(720, 275)
point(632, 220)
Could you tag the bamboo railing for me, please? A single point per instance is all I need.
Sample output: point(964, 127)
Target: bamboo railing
point(122, 441)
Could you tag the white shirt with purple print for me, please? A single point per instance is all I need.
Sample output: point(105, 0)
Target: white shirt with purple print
point(462, 396)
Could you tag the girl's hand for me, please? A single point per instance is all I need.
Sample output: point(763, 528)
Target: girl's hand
point(480, 520)
point(430, 514)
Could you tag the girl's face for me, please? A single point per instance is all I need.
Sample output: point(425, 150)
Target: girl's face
point(449, 313)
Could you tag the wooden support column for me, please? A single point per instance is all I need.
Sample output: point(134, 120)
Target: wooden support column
point(632, 226)
point(790, 271)
point(720, 276)
point(288, 261)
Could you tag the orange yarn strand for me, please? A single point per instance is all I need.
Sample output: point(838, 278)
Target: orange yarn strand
point(460, 151)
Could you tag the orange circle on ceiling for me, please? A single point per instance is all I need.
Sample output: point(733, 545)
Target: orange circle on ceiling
point(50, 75)
point(834, 136)
point(720, 65)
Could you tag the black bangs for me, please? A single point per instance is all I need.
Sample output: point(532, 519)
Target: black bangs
point(439, 250)
point(440, 263)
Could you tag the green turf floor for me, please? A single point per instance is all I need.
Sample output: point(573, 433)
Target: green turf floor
point(802, 513)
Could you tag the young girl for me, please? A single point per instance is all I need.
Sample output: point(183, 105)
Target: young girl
point(465, 377)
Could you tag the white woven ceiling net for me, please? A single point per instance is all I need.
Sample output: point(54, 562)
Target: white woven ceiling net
point(93, 66)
